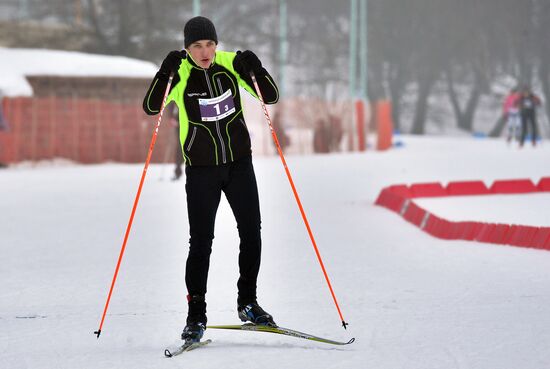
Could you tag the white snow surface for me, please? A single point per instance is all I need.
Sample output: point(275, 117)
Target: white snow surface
point(16, 64)
point(512, 209)
point(412, 300)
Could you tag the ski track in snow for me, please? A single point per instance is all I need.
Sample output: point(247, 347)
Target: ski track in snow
point(412, 301)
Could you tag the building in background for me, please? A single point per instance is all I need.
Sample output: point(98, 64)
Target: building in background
point(82, 107)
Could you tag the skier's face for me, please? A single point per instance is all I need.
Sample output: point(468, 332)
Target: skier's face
point(202, 52)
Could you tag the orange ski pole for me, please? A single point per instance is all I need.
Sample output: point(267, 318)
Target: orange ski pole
point(150, 153)
point(274, 135)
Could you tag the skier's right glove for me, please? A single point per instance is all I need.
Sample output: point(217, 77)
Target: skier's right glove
point(171, 63)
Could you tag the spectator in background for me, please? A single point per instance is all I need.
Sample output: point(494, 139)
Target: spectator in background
point(512, 114)
point(527, 103)
point(336, 133)
point(278, 127)
point(321, 136)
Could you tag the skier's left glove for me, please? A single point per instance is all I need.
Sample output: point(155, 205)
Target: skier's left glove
point(246, 62)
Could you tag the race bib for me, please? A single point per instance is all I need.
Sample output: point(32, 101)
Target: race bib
point(217, 108)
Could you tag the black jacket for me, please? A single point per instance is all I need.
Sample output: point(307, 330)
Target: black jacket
point(212, 126)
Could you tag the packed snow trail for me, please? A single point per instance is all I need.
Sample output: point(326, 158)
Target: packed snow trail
point(411, 300)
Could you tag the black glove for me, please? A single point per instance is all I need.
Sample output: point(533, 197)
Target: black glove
point(246, 62)
point(172, 62)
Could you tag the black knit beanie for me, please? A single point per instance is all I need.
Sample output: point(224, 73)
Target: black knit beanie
point(199, 28)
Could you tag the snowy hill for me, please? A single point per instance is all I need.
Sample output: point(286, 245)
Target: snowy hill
point(412, 301)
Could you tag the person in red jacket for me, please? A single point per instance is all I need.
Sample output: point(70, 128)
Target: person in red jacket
point(511, 113)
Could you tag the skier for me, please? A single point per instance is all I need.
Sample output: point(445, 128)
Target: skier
point(217, 152)
point(511, 113)
point(527, 104)
point(279, 128)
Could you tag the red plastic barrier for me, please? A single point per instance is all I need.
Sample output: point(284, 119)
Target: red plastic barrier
point(432, 225)
point(390, 200)
point(402, 190)
point(542, 239)
point(438, 227)
point(522, 235)
point(501, 234)
point(513, 186)
point(414, 214)
point(398, 199)
point(433, 189)
point(456, 230)
point(467, 188)
point(544, 184)
point(471, 230)
point(484, 234)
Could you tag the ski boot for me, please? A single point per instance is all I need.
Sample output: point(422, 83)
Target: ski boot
point(193, 332)
point(252, 312)
point(196, 319)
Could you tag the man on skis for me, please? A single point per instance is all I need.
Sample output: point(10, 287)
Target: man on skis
point(217, 151)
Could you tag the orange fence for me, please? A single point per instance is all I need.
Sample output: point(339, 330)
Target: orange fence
point(83, 130)
point(399, 198)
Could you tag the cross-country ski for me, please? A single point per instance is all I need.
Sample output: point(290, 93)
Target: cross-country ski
point(185, 347)
point(280, 330)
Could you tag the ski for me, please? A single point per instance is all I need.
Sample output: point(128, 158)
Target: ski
point(279, 330)
point(187, 346)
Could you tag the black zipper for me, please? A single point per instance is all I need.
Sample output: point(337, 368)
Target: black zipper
point(224, 159)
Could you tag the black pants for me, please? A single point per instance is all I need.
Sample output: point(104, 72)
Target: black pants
point(204, 187)
point(528, 117)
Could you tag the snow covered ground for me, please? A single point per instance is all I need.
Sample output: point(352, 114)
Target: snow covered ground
point(518, 209)
point(412, 301)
